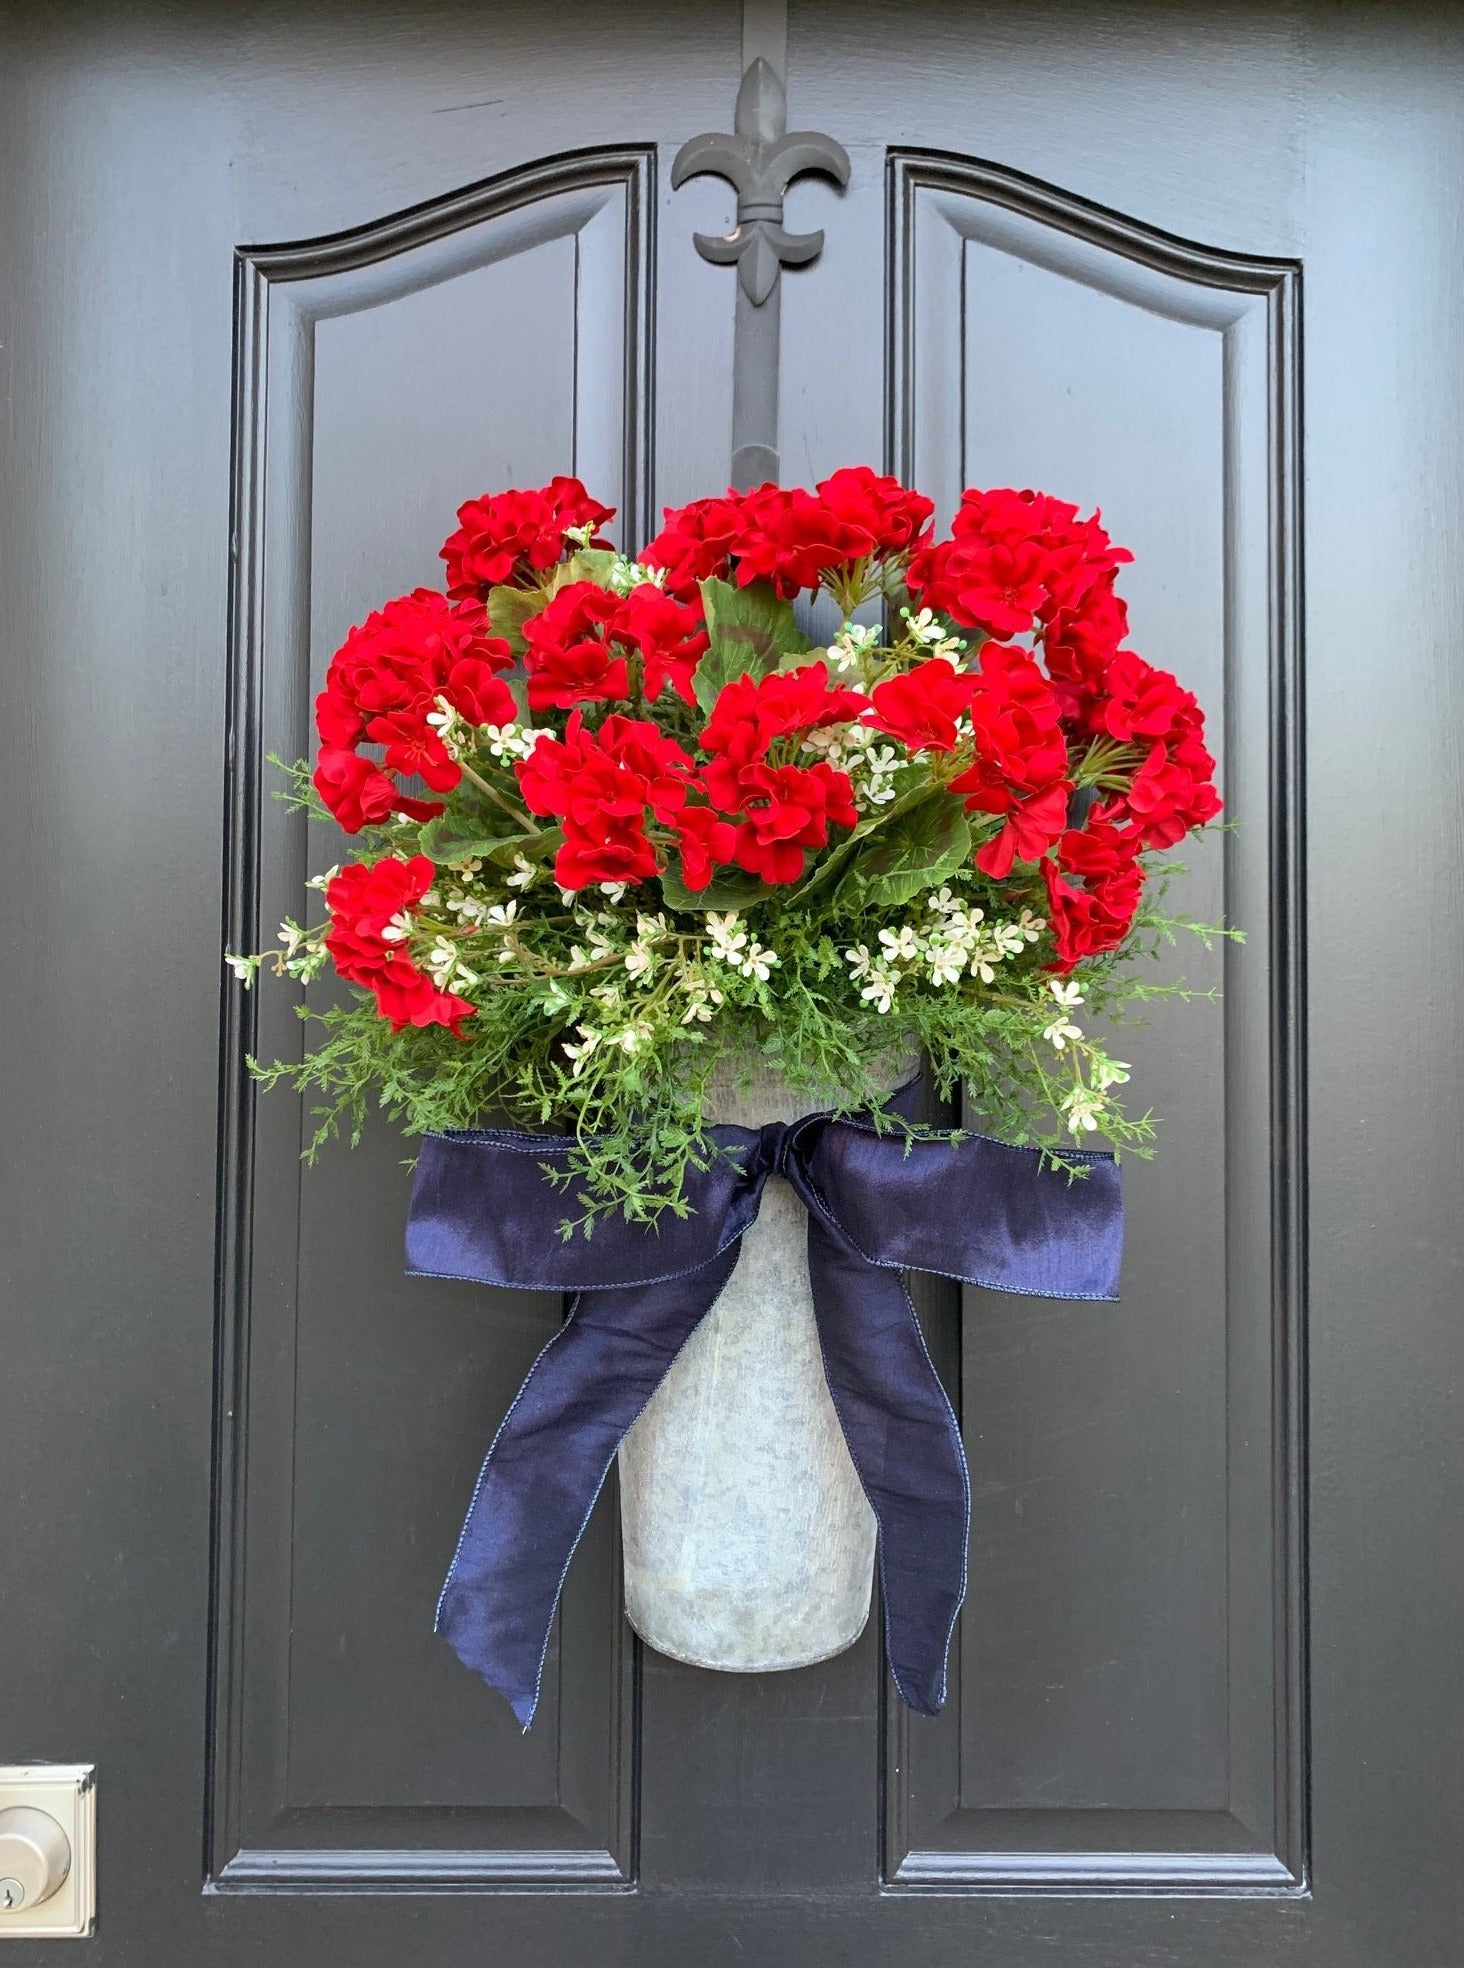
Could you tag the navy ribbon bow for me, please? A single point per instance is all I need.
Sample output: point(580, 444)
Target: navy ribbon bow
point(878, 1204)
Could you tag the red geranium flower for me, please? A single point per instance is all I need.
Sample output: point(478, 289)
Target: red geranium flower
point(890, 518)
point(982, 584)
point(357, 792)
point(706, 841)
point(1020, 766)
point(671, 638)
point(476, 691)
point(750, 713)
point(605, 850)
point(638, 746)
point(921, 707)
point(413, 747)
point(1097, 916)
point(1079, 643)
point(695, 543)
point(371, 910)
point(566, 655)
point(788, 808)
point(383, 685)
point(1079, 551)
point(789, 537)
point(600, 784)
point(1034, 821)
point(510, 536)
point(625, 766)
point(577, 647)
point(1014, 558)
point(1139, 702)
point(1172, 791)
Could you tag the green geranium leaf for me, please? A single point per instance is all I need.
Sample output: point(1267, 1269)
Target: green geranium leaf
point(533, 847)
point(731, 890)
point(445, 840)
point(508, 610)
point(918, 849)
point(752, 633)
point(723, 663)
point(589, 564)
point(910, 788)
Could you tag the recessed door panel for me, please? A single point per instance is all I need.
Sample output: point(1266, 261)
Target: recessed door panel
point(1128, 1654)
point(496, 338)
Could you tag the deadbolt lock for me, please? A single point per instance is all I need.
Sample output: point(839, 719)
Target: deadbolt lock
point(35, 1858)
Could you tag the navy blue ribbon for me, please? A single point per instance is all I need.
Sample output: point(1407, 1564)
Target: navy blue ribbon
point(879, 1203)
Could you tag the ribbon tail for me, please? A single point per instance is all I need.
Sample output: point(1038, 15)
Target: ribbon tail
point(548, 1464)
point(907, 1450)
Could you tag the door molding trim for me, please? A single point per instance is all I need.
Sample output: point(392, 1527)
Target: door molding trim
point(331, 1871)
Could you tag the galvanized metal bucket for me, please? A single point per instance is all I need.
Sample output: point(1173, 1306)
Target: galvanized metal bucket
point(749, 1545)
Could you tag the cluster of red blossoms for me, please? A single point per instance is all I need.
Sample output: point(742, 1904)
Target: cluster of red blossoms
point(1032, 581)
point(600, 783)
point(383, 688)
point(505, 537)
point(1016, 564)
point(789, 537)
point(385, 680)
point(370, 917)
point(762, 814)
point(581, 647)
point(1020, 563)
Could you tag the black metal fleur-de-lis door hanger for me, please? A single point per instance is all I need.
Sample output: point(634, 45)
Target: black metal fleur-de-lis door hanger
point(760, 159)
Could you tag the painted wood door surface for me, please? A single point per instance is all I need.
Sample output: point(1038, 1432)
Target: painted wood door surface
point(280, 284)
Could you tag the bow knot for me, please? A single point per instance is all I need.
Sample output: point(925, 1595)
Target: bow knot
point(774, 1140)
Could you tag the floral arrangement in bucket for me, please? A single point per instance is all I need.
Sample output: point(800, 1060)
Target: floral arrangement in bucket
point(623, 819)
point(630, 837)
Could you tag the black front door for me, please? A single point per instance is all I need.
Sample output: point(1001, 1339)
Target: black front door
point(281, 285)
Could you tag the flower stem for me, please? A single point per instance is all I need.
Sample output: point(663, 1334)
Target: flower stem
point(515, 813)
